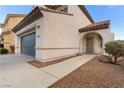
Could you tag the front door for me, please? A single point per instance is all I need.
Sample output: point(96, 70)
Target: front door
point(89, 44)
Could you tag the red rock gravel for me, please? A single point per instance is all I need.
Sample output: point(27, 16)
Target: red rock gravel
point(94, 74)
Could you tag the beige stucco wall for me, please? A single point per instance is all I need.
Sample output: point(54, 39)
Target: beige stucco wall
point(9, 39)
point(12, 22)
point(58, 34)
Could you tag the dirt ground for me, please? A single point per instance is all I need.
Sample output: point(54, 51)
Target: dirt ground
point(94, 74)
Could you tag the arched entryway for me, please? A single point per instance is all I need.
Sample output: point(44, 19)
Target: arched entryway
point(92, 43)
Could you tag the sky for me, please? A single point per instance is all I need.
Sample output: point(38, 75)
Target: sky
point(114, 13)
point(12, 9)
point(98, 13)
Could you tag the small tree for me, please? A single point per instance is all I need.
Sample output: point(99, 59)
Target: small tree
point(115, 49)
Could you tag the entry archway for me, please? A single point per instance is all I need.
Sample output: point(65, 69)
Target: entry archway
point(92, 43)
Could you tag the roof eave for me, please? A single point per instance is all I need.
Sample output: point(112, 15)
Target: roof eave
point(27, 20)
point(92, 29)
point(83, 8)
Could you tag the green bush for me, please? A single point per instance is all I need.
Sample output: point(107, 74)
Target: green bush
point(12, 47)
point(115, 49)
point(3, 51)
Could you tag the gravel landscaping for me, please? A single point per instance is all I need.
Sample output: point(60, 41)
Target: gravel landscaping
point(94, 74)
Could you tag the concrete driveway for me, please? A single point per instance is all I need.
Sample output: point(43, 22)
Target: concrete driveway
point(15, 72)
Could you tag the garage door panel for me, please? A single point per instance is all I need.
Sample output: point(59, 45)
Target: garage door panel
point(28, 51)
point(28, 44)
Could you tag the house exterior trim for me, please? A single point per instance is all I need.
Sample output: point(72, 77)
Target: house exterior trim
point(56, 48)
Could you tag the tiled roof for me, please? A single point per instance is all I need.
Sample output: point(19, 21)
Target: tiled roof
point(34, 15)
point(53, 6)
point(36, 11)
point(96, 26)
point(82, 7)
point(55, 11)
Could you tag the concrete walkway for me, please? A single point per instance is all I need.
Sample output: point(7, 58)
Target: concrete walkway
point(63, 68)
point(15, 72)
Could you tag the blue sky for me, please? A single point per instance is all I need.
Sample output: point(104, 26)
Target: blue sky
point(99, 13)
point(114, 13)
point(13, 9)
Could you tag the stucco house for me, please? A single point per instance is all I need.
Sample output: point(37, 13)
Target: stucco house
point(55, 31)
point(7, 37)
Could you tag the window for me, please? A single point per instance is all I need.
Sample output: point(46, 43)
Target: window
point(66, 9)
point(63, 8)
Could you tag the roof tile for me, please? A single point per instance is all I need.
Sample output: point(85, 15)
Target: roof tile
point(96, 26)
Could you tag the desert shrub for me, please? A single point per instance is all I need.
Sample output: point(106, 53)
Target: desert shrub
point(3, 51)
point(12, 47)
point(115, 49)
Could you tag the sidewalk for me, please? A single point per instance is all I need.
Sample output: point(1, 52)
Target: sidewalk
point(64, 68)
point(15, 72)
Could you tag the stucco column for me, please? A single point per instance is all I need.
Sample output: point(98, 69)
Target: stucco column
point(17, 44)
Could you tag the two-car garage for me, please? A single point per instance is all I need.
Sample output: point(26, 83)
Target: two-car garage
point(28, 44)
